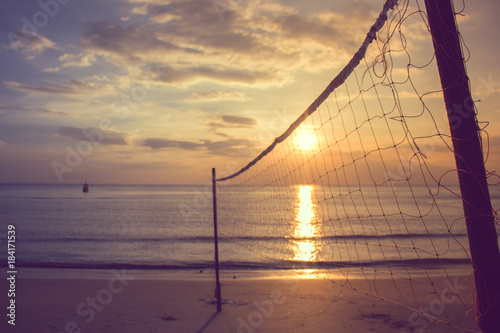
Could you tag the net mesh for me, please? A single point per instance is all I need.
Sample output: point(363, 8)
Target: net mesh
point(362, 187)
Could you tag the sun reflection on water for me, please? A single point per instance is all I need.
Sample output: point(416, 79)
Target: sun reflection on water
point(304, 246)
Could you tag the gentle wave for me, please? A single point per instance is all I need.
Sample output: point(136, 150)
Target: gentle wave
point(210, 239)
point(275, 265)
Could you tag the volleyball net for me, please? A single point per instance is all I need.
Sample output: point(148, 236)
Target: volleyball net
point(363, 187)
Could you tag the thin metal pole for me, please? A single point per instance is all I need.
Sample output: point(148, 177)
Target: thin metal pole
point(465, 135)
point(216, 243)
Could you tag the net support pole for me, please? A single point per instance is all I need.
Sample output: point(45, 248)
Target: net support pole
point(467, 147)
point(216, 243)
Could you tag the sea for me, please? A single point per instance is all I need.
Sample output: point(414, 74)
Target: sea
point(170, 228)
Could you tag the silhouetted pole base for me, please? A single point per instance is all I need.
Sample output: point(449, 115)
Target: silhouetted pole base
point(478, 211)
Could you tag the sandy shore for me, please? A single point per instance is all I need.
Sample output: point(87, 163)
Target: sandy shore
point(122, 303)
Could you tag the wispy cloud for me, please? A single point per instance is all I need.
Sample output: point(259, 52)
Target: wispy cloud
point(130, 42)
point(40, 110)
point(190, 75)
point(230, 121)
point(83, 59)
point(156, 143)
point(229, 147)
point(28, 43)
point(109, 137)
point(71, 87)
point(303, 29)
point(213, 96)
point(242, 121)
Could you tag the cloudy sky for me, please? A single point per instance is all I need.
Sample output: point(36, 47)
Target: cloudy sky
point(160, 91)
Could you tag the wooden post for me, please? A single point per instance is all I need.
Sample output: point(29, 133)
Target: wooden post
point(465, 135)
point(216, 243)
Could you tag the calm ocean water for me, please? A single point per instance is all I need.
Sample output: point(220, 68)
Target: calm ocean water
point(143, 227)
point(170, 227)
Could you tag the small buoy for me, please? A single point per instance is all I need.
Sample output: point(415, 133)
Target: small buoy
point(234, 277)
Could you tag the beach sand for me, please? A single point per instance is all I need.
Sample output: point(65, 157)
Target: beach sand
point(124, 303)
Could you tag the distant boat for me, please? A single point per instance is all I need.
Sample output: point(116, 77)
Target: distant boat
point(85, 187)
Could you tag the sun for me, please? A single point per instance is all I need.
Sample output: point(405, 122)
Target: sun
point(306, 141)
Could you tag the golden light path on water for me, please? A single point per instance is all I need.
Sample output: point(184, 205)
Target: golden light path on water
point(305, 229)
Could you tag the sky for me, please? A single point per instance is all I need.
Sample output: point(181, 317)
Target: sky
point(160, 91)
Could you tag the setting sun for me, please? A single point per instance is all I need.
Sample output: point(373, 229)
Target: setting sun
point(306, 141)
